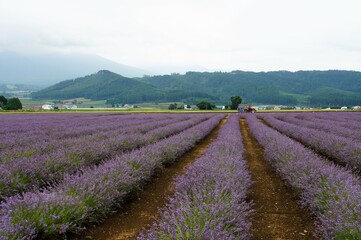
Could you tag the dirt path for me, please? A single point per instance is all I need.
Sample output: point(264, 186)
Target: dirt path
point(143, 210)
point(278, 215)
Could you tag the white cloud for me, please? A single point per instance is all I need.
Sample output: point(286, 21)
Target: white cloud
point(218, 35)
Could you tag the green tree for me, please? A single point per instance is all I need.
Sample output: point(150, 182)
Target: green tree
point(14, 104)
point(235, 101)
point(3, 101)
point(172, 106)
point(205, 105)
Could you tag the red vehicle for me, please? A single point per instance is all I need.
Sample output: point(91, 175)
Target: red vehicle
point(249, 109)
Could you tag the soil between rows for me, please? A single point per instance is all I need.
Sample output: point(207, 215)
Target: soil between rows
point(277, 212)
point(143, 209)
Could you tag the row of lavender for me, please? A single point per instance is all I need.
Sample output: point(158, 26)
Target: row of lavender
point(41, 169)
point(333, 193)
point(31, 143)
point(52, 126)
point(87, 197)
point(345, 151)
point(209, 200)
point(345, 120)
point(334, 126)
point(342, 118)
point(48, 140)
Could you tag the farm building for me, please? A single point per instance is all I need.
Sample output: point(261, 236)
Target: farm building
point(47, 107)
point(187, 107)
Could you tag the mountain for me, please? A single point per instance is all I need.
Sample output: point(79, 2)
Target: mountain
point(106, 85)
point(18, 87)
point(331, 87)
point(48, 69)
point(315, 88)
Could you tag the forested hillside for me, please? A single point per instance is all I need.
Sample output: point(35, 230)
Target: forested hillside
point(281, 87)
point(326, 88)
point(115, 88)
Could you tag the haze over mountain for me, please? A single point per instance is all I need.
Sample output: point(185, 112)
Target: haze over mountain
point(48, 69)
point(327, 88)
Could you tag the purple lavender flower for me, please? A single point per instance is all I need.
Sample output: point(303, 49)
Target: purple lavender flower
point(343, 150)
point(209, 200)
point(333, 193)
point(90, 194)
point(45, 161)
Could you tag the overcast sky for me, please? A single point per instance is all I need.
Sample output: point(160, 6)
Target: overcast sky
point(166, 36)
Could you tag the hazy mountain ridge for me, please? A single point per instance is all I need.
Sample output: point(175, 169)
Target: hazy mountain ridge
point(48, 69)
point(18, 87)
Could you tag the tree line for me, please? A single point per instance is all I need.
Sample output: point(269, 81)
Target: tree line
point(206, 105)
point(10, 104)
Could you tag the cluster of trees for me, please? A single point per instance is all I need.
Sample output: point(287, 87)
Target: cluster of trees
point(10, 104)
point(235, 101)
point(174, 106)
point(206, 105)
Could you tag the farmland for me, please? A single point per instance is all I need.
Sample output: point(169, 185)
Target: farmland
point(278, 175)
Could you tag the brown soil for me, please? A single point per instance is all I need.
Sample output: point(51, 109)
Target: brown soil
point(277, 212)
point(143, 210)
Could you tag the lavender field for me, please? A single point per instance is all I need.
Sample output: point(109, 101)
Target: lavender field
point(331, 191)
point(60, 173)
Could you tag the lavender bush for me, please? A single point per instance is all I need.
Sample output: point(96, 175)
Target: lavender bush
point(87, 197)
point(350, 120)
point(41, 170)
point(67, 133)
point(333, 193)
point(344, 150)
point(209, 200)
point(328, 126)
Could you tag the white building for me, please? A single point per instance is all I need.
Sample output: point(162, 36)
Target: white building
point(186, 107)
point(47, 107)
